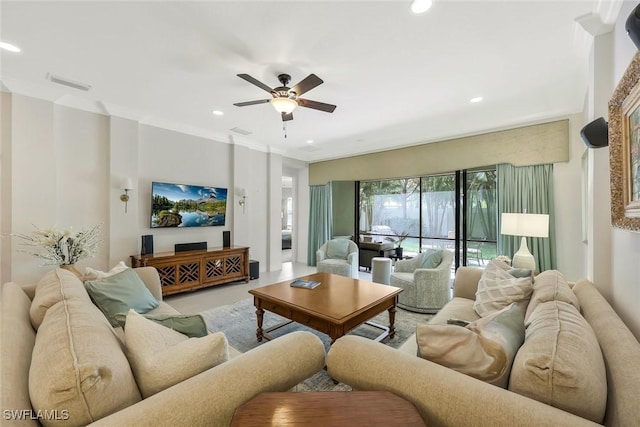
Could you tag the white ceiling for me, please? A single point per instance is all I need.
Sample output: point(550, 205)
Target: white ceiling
point(397, 78)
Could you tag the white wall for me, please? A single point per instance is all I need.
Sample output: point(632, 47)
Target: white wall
point(64, 167)
point(625, 286)
point(173, 157)
point(568, 206)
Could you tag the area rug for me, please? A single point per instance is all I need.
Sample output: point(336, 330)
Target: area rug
point(238, 322)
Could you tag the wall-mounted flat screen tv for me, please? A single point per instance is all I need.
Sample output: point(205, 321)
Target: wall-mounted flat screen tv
point(179, 205)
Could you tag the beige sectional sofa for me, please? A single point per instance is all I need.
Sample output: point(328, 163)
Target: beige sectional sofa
point(445, 397)
point(98, 383)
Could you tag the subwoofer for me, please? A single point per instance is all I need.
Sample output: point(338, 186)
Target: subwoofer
point(596, 133)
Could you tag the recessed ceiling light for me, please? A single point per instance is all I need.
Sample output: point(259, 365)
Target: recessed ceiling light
point(421, 6)
point(9, 47)
point(218, 113)
point(309, 141)
point(476, 99)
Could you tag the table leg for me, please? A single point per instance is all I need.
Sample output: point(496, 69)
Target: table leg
point(392, 321)
point(259, 316)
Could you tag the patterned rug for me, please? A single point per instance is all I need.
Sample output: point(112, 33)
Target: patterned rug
point(238, 322)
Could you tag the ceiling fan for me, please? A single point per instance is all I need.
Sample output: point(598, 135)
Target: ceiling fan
point(285, 99)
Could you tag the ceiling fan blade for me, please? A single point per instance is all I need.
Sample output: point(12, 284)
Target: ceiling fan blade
point(258, 83)
point(307, 84)
point(316, 105)
point(244, 104)
point(287, 117)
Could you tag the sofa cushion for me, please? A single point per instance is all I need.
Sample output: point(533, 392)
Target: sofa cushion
point(191, 325)
point(338, 248)
point(161, 357)
point(18, 339)
point(78, 366)
point(119, 293)
point(457, 308)
point(483, 349)
point(550, 285)
point(93, 274)
point(560, 362)
point(55, 286)
point(432, 259)
point(497, 288)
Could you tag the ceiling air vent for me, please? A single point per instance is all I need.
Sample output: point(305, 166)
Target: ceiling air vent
point(67, 82)
point(241, 131)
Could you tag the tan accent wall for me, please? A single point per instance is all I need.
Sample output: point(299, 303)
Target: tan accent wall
point(529, 145)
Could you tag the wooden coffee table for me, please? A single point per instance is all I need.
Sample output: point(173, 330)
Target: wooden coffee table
point(335, 307)
point(327, 408)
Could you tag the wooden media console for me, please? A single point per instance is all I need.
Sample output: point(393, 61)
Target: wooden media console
point(186, 271)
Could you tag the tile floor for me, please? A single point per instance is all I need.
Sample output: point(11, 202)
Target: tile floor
point(205, 299)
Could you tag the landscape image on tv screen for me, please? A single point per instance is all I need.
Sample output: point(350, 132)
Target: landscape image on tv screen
point(179, 205)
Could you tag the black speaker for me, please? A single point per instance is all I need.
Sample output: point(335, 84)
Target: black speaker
point(226, 239)
point(633, 26)
point(182, 247)
point(254, 269)
point(147, 245)
point(596, 133)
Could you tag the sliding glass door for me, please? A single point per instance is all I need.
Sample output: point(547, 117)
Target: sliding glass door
point(455, 212)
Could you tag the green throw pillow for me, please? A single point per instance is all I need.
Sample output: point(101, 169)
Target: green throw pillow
point(120, 292)
point(432, 260)
point(191, 325)
point(338, 249)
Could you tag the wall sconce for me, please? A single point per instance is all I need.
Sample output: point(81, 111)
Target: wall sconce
point(127, 185)
point(243, 199)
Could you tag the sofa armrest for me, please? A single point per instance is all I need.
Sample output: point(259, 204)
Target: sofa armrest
point(212, 397)
point(466, 281)
point(320, 256)
point(408, 265)
point(442, 396)
point(151, 279)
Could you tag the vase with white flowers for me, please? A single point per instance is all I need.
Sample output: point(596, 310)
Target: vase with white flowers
point(61, 247)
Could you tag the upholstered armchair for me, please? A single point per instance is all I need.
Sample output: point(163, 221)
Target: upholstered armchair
point(426, 290)
point(338, 256)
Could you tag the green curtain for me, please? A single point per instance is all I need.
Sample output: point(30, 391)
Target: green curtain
point(319, 219)
point(528, 189)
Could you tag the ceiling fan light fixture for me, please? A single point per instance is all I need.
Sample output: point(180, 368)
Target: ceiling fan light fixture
point(284, 105)
point(421, 6)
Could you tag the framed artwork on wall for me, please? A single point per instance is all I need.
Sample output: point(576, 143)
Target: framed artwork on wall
point(624, 149)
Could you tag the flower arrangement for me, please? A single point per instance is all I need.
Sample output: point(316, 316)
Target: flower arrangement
point(61, 247)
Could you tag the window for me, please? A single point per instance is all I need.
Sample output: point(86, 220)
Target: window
point(430, 212)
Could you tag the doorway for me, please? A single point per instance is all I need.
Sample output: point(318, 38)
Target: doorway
point(286, 216)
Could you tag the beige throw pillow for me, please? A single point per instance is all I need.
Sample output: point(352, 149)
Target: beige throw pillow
point(560, 362)
point(161, 357)
point(78, 366)
point(497, 289)
point(550, 285)
point(92, 274)
point(483, 349)
point(55, 286)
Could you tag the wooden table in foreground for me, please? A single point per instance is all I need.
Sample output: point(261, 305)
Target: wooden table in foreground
point(328, 408)
point(335, 307)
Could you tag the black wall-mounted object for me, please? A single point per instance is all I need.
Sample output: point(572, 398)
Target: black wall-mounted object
point(182, 247)
point(596, 133)
point(633, 26)
point(226, 239)
point(147, 245)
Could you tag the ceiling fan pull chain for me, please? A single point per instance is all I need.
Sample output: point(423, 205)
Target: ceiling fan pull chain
point(284, 129)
